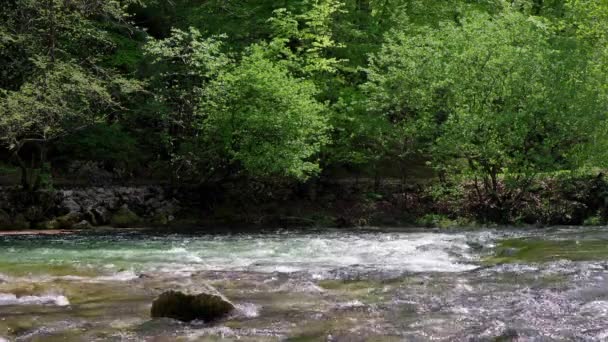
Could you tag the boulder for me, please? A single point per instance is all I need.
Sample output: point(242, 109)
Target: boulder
point(507, 335)
point(159, 220)
point(153, 203)
point(84, 224)
point(68, 220)
point(5, 220)
point(48, 225)
point(34, 213)
point(186, 308)
point(124, 218)
point(90, 217)
point(101, 215)
point(69, 205)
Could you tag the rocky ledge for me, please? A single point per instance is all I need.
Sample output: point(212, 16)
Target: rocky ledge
point(87, 207)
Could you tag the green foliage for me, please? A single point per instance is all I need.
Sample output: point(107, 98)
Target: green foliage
point(265, 119)
point(128, 54)
point(490, 91)
point(593, 221)
point(432, 220)
point(57, 85)
point(7, 169)
point(59, 100)
point(497, 92)
point(357, 137)
point(182, 65)
point(305, 39)
point(102, 142)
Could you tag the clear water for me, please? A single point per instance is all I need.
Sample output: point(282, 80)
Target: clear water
point(313, 286)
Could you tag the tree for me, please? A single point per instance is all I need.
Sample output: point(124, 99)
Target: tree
point(265, 120)
point(505, 96)
point(61, 101)
point(584, 23)
point(182, 66)
point(253, 116)
point(305, 39)
point(57, 86)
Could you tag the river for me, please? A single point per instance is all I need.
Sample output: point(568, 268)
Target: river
point(323, 285)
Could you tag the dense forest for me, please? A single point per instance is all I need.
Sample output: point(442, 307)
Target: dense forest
point(478, 99)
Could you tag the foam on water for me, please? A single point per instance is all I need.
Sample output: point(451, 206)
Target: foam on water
point(278, 293)
point(423, 252)
point(248, 310)
point(598, 308)
point(122, 276)
point(408, 252)
point(119, 276)
point(12, 299)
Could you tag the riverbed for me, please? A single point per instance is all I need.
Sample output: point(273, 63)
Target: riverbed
point(313, 285)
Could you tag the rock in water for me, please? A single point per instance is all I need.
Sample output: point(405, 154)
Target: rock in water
point(507, 336)
point(186, 308)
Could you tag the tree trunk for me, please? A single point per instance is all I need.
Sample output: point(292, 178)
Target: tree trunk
point(31, 174)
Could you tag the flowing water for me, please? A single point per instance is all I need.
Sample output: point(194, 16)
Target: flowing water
point(327, 285)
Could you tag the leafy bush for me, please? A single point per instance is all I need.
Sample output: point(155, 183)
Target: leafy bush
point(110, 144)
point(437, 221)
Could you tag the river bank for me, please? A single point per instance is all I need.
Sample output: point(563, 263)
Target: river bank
point(580, 200)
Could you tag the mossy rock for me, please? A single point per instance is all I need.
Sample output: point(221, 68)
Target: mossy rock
point(82, 225)
point(124, 218)
point(48, 225)
point(507, 336)
point(347, 285)
point(538, 250)
point(186, 308)
point(159, 220)
point(67, 221)
point(62, 222)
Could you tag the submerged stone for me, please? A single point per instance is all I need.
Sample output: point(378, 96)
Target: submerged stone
point(157, 327)
point(538, 250)
point(507, 336)
point(186, 308)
